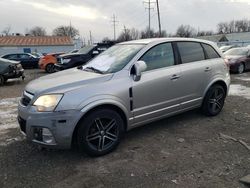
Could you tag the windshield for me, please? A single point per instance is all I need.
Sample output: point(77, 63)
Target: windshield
point(115, 58)
point(237, 51)
point(85, 49)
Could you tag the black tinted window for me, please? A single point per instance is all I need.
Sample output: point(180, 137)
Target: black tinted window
point(159, 56)
point(190, 51)
point(210, 51)
point(10, 56)
point(24, 56)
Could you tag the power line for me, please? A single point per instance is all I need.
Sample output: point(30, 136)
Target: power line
point(149, 8)
point(114, 23)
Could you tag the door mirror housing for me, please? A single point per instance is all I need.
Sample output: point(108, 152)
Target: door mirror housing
point(138, 68)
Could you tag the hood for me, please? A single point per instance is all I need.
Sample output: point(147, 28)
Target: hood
point(65, 81)
point(229, 57)
point(70, 55)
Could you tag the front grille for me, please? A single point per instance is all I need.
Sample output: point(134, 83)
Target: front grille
point(26, 98)
point(22, 124)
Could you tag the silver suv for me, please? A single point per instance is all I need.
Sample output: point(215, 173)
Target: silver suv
point(130, 84)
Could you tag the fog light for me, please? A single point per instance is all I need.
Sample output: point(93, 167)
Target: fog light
point(48, 138)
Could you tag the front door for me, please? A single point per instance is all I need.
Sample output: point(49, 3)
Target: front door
point(157, 92)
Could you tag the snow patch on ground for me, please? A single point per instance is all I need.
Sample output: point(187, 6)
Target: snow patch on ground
point(247, 79)
point(8, 120)
point(239, 90)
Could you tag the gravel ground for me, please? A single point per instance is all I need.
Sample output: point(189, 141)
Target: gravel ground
point(182, 151)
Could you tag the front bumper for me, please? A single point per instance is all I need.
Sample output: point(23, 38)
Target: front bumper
point(59, 67)
point(234, 67)
point(60, 124)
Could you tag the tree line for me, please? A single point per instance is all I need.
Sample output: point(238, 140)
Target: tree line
point(127, 34)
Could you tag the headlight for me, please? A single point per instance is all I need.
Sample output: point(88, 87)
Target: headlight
point(47, 103)
point(66, 60)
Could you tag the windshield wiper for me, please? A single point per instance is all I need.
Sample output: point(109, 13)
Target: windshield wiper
point(94, 70)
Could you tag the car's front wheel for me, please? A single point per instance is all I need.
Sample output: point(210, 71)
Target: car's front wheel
point(50, 68)
point(100, 132)
point(214, 100)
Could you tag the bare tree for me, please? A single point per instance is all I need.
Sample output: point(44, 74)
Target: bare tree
point(6, 30)
point(37, 31)
point(185, 31)
point(66, 31)
point(205, 33)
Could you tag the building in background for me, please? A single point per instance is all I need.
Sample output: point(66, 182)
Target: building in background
point(240, 39)
point(41, 44)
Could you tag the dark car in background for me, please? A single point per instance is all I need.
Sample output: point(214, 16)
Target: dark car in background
point(238, 59)
point(84, 54)
point(10, 69)
point(27, 60)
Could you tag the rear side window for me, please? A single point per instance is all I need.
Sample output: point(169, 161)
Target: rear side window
point(190, 51)
point(210, 51)
point(159, 56)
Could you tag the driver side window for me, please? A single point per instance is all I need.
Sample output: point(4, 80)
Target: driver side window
point(159, 56)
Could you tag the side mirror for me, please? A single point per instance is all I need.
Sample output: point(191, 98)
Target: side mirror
point(95, 52)
point(139, 67)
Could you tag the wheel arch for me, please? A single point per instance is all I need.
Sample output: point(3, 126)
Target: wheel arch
point(219, 82)
point(106, 105)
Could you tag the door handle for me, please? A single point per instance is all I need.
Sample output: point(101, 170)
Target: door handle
point(207, 69)
point(175, 77)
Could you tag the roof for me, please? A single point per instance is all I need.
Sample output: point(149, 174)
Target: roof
point(245, 36)
point(159, 40)
point(231, 37)
point(35, 41)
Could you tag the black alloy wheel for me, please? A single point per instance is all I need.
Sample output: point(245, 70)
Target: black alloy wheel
point(214, 100)
point(100, 132)
point(50, 68)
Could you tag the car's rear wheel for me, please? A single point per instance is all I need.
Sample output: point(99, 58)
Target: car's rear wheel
point(1, 80)
point(50, 68)
point(100, 132)
point(214, 100)
point(241, 68)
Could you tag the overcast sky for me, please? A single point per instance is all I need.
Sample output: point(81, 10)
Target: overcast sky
point(95, 15)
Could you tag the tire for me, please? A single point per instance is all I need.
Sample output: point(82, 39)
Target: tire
point(5, 80)
point(241, 68)
point(49, 68)
point(100, 132)
point(1, 80)
point(214, 100)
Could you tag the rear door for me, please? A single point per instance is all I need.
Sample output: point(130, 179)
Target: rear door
point(195, 72)
point(156, 93)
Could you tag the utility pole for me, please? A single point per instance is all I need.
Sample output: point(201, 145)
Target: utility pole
point(159, 17)
point(70, 29)
point(90, 38)
point(149, 8)
point(114, 23)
